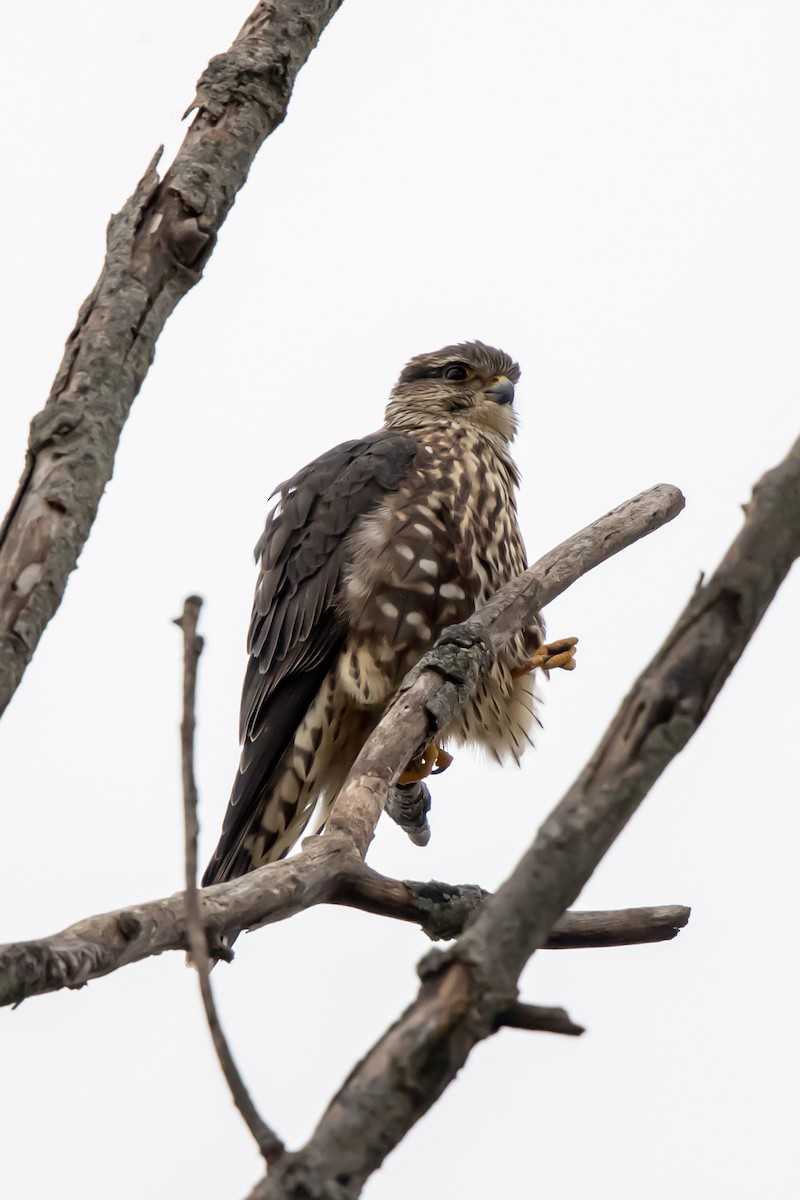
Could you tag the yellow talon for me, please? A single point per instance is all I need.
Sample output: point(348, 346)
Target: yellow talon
point(432, 761)
point(443, 761)
point(551, 656)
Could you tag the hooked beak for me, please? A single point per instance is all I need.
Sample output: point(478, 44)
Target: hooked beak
point(501, 389)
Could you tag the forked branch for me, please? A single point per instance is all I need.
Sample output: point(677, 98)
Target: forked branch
point(330, 869)
point(323, 874)
point(466, 990)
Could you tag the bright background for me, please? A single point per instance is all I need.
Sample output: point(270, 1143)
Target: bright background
point(611, 193)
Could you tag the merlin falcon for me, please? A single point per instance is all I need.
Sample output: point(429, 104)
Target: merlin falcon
point(370, 552)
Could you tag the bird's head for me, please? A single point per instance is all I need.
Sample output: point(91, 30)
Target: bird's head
point(469, 384)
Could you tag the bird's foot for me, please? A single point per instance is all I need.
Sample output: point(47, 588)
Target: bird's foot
point(432, 761)
point(408, 807)
point(552, 655)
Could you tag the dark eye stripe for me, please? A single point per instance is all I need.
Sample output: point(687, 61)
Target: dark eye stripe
point(413, 374)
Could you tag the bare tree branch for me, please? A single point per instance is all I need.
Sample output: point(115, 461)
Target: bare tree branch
point(441, 684)
point(101, 944)
point(192, 649)
point(663, 710)
point(443, 911)
point(538, 1017)
point(466, 988)
point(269, 1143)
point(158, 245)
point(325, 873)
point(427, 699)
point(626, 927)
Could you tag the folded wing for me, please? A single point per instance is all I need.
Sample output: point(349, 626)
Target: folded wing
point(296, 630)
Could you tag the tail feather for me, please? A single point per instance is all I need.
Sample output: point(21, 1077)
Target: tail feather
point(272, 781)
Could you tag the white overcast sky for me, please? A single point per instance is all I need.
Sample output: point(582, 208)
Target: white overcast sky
point(610, 191)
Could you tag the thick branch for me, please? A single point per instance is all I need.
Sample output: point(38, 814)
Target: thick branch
point(466, 990)
point(326, 872)
point(104, 943)
point(269, 1143)
point(663, 710)
point(427, 700)
point(158, 245)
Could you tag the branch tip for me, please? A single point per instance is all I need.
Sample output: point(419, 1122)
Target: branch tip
point(538, 1017)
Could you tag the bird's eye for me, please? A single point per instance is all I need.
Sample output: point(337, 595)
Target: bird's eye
point(457, 372)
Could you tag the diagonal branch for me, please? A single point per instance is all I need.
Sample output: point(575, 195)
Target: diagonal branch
point(466, 989)
point(269, 1143)
point(661, 713)
point(158, 245)
point(427, 699)
point(440, 686)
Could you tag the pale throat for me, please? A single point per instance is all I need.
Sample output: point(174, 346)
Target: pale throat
point(498, 426)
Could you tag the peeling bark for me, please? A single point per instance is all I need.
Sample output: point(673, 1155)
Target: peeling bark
point(157, 247)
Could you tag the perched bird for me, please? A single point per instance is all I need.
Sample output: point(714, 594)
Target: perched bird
point(371, 550)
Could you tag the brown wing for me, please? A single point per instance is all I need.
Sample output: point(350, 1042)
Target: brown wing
point(296, 630)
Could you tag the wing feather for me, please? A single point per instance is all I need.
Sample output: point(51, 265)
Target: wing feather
point(295, 628)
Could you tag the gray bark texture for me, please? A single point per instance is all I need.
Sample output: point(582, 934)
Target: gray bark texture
point(331, 869)
point(467, 989)
point(327, 872)
point(157, 247)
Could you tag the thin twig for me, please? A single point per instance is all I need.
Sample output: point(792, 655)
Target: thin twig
point(538, 1017)
point(269, 1143)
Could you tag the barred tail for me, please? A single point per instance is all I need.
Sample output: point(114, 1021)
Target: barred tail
point(276, 787)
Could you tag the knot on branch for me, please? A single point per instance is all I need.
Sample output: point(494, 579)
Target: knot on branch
point(249, 73)
point(445, 912)
point(190, 244)
point(175, 234)
point(487, 996)
point(302, 1176)
point(54, 424)
point(129, 925)
point(493, 987)
point(461, 655)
